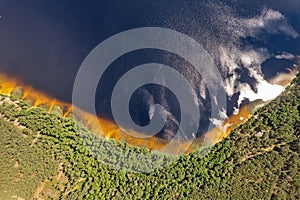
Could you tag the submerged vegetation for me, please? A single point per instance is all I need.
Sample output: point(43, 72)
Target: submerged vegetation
point(45, 155)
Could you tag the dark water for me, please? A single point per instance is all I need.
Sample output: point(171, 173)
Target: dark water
point(44, 43)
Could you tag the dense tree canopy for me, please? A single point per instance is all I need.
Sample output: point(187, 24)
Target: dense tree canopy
point(46, 155)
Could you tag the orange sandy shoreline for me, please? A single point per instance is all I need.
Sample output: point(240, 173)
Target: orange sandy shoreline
point(109, 129)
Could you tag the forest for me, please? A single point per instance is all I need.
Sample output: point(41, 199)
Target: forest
point(48, 156)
